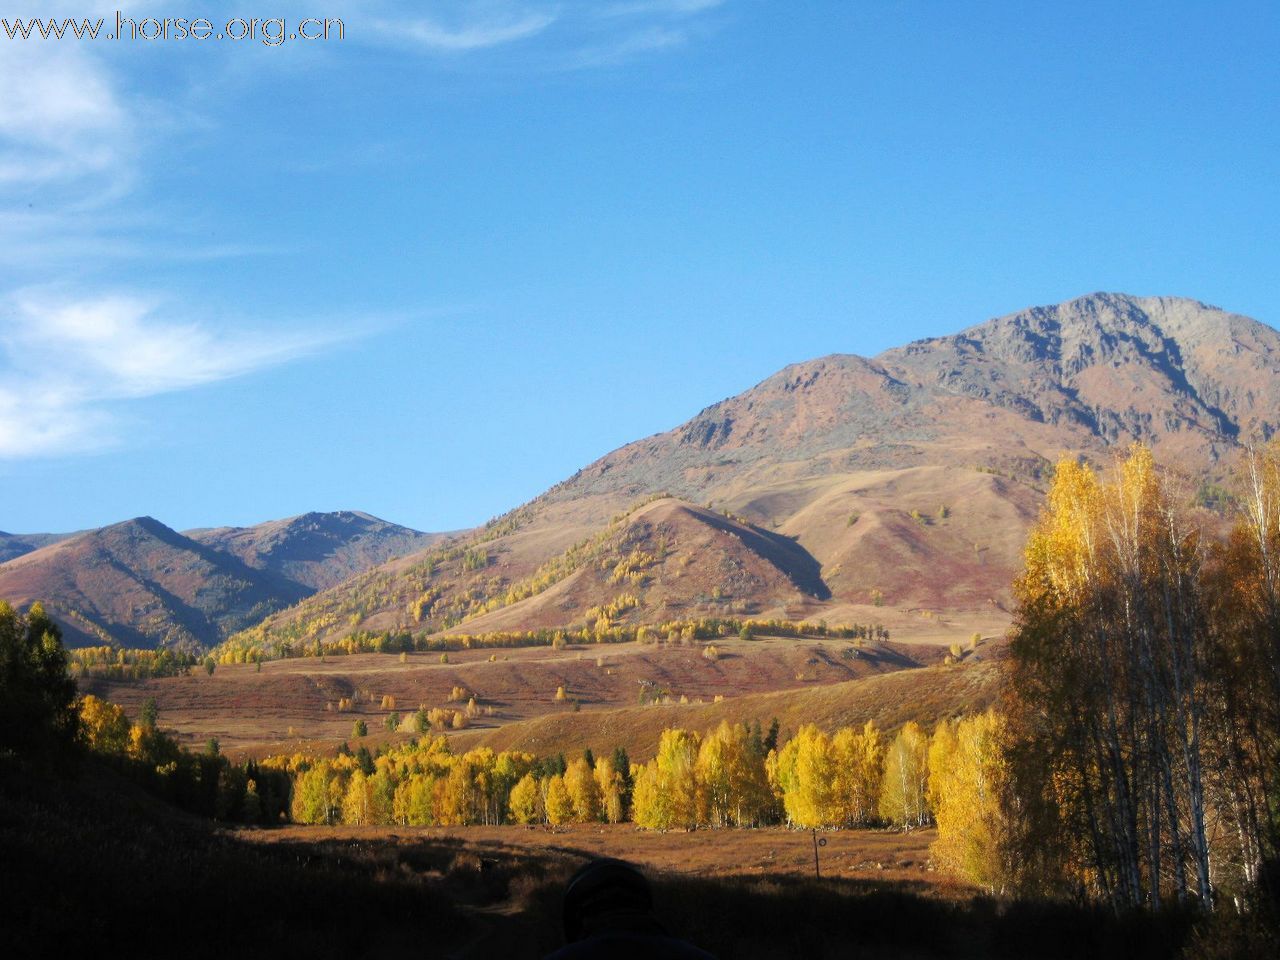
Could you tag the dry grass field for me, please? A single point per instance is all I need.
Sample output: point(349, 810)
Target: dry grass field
point(888, 856)
point(294, 704)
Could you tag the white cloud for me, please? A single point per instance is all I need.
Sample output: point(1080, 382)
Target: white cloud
point(477, 35)
point(61, 117)
point(67, 362)
point(569, 33)
point(625, 48)
point(679, 8)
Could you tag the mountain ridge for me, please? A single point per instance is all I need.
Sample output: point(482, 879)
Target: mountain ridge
point(318, 550)
point(138, 582)
point(903, 484)
point(909, 478)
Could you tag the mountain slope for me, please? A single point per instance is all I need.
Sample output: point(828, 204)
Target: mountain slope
point(1102, 370)
point(16, 544)
point(667, 560)
point(909, 478)
point(317, 550)
point(140, 584)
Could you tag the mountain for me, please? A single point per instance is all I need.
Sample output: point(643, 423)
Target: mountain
point(140, 584)
point(662, 562)
point(317, 550)
point(903, 485)
point(1102, 370)
point(16, 544)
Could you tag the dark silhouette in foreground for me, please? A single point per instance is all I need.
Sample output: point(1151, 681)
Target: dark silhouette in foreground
point(608, 912)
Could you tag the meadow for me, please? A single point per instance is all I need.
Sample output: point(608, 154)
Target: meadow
point(614, 694)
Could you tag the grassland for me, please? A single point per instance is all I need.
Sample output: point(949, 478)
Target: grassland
point(292, 705)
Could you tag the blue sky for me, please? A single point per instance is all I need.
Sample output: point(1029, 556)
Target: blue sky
point(436, 266)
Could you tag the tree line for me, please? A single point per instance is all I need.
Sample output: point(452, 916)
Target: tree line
point(246, 648)
point(734, 775)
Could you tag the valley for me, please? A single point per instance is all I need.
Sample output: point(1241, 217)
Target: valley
point(615, 694)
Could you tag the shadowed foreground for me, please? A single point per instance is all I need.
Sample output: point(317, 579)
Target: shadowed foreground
point(91, 862)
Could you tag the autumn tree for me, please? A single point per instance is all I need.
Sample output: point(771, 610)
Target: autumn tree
point(1243, 733)
point(1108, 713)
point(967, 777)
point(902, 788)
point(557, 802)
point(311, 797)
point(357, 803)
point(525, 801)
point(612, 788)
point(858, 760)
point(666, 788)
point(677, 777)
point(732, 786)
point(104, 726)
point(584, 791)
point(649, 808)
point(805, 775)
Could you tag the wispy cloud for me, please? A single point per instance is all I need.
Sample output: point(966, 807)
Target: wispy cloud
point(568, 33)
point(629, 46)
point(679, 8)
point(61, 117)
point(65, 363)
point(77, 139)
point(432, 35)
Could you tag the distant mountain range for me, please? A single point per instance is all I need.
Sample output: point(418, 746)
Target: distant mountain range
point(317, 550)
point(141, 584)
point(16, 544)
point(896, 489)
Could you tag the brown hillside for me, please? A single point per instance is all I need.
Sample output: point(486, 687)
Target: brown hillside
point(672, 560)
point(14, 545)
point(251, 710)
point(317, 550)
point(971, 423)
point(140, 584)
point(890, 700)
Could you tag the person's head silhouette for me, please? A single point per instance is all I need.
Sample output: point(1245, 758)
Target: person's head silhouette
point(608, 912)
